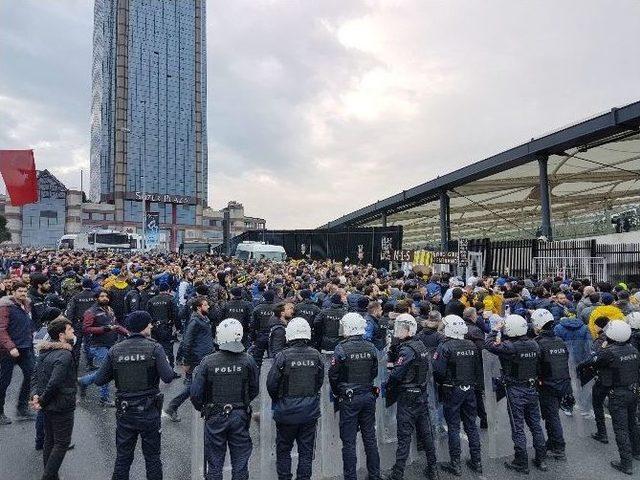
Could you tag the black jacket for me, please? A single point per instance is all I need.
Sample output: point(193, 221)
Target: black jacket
point(277, 337)
point(78, 304)
point(54, 379)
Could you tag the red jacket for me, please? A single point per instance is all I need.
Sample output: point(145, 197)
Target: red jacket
point(16, 327)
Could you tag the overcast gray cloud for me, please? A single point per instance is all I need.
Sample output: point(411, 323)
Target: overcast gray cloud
point(318, 108)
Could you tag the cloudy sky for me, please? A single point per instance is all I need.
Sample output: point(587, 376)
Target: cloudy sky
point(317, 108)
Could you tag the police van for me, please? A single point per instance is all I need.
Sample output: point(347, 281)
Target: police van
point(255, 251)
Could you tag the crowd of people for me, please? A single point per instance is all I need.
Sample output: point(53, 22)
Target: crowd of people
point(136, 319)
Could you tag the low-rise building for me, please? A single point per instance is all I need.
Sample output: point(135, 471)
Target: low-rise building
point(60, 211)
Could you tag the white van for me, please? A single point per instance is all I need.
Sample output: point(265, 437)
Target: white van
point(255, 251)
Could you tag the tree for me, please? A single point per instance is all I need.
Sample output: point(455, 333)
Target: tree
point(4, 233)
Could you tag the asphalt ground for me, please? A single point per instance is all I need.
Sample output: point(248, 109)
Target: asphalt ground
point(94, 452)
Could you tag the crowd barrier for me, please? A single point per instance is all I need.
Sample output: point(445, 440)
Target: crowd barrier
point(327, 463)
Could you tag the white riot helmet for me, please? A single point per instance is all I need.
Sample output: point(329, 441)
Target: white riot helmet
point(297, 329)
point(540, 317)
point(229, 335)
point(454, 327)
point(353, 324)
point(633, 319)
point(405, 321)
point(515, 326)
point(618, 331)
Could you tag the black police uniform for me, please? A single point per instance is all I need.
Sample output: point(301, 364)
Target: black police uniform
point(327, 326)
point(277, 337)
point(164, 313)
point(294, 383)
point(224, 384)
point(135, 300)
point(599, 394)
point(519, 362)
point(457, 369)
point(476, 335)
point(618, 366)
point(241, 310)
point(260, 328)
point(78, 304)
point(555, 383)
point(354, 367)
point(137, 364)
point(308, 310)
point(407, 384)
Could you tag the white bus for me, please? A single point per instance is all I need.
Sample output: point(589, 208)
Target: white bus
point(254, 251)
point(101, 240)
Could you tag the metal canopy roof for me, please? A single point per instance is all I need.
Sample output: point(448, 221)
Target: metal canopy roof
point(593, 167)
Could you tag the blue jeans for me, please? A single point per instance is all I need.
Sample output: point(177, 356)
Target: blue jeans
point(99, 355)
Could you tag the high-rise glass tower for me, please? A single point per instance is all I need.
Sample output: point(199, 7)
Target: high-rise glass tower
point(148, 113)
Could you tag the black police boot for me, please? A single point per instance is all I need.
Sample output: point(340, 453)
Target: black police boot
point(475, 466)
point(484, 424)
point(431, 472)
point(556, 454)
point(623, 467)
point(601, 437)
point(540, 464)
point(172, 414)
point(453, 467)
point(518, 466)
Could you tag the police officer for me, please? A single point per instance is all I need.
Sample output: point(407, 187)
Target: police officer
point(261, 326)
point(136, 298)
point(519, 363)
point(224, 384)
point(137, 364)
point(457, 370)
point(407, 384)
point(306, 309)
point(618, 365)
point(599, 392)
point(78, 304)
point(633, 319)
point(239, 309)
point(327, 323)
point(294, 383)
point(354, 367)
point(554, 378)
point(164, 313)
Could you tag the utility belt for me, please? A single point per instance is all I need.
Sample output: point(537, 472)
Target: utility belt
point(139, 405)
point(211, 409)
point(446, 389)
point(634, 387)
point(510, 382)
point(348, 393)
point(411, 393)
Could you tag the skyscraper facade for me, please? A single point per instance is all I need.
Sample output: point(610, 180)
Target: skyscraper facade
point(148, 114)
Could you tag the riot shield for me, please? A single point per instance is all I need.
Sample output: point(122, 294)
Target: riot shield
point(496, 440)
point(386, 426)
point(580, 423)
point(197, 443)
point(438, 424)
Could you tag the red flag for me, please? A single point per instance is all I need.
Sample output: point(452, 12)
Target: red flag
point(18, 169)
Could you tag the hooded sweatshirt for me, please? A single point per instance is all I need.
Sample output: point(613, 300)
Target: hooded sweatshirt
point(577, 337)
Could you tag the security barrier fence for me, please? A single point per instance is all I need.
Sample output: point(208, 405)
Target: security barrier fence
point(571, 258)
point(327, 463)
